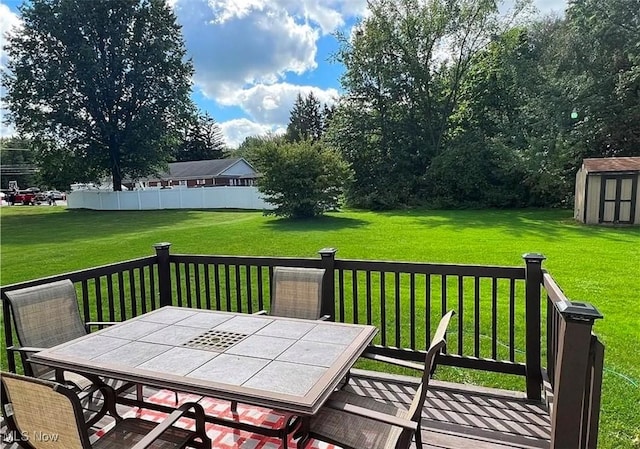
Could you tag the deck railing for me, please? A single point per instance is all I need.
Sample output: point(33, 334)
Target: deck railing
point(497, 327)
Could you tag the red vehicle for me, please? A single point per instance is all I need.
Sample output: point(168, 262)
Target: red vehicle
point(26, 197)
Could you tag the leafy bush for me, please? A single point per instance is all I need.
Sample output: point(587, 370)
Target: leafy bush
point(302, 179)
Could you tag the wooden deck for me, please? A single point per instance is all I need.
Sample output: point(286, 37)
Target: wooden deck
point(459, 416)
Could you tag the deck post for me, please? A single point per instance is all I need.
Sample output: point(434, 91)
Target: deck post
point(533, 281)
point(328, 307)
point(164, 272)
point(571, 419)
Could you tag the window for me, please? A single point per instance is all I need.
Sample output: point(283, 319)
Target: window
point(200, 182)
point(183, 183)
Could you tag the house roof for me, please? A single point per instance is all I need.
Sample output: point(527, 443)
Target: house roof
point(198, 169)
point(611, 164)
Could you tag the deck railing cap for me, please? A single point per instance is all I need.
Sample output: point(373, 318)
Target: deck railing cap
point(161, 245)
point(327, 251)
point(533, 257)
point(578, 311)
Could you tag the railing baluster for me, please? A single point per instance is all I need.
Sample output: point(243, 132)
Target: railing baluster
point(427, 312)
point(227, 285)
point(341, 294)
point(216, 278)
point(187, 284)
point(98, 292)
point(368, 296)
point(397, 309)
point(196, 274)
point(412, 305)
point(85, 301)
point(123, 308)
point(152, 288)
point(260, 292)
point(132, 293)
point(512, 320)
point(112, 307)
point(238, 276)
point(460, 314)
point(476, 317)
point(383, 310)
point(178, 284)
point(143, 290)
point(354, 298)
point(494, 318)
point(207, 286)
point(247, 272)
point(444, 294)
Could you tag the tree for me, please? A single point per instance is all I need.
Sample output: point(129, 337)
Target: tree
point(306, 120)
point(108, 92)
point(404, 69)
point(202, 139)
point(302, 179)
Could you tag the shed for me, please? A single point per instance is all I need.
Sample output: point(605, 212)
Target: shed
point(607, 191)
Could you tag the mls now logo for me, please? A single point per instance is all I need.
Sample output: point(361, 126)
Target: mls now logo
point(15, 436)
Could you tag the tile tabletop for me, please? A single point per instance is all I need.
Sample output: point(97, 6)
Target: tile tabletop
point(280, 362)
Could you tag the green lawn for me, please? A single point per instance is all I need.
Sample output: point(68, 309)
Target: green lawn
point(595, 264)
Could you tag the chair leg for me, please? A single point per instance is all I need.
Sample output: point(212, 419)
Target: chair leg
point(419, 435)
point(139, 394)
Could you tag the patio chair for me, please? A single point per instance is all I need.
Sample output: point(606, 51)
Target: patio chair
point(297, 293)
point(353, 421)
point(51, 416)
point(45, 316)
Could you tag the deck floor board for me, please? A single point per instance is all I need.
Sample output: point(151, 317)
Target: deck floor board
point(455, 416)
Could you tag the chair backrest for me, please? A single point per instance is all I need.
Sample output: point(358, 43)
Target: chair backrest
point(46, 315)
point(48, 413)
point(438, 342)
point(297, 292)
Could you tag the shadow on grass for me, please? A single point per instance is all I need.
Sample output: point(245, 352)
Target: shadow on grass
point(553, 224)
point(323, 223)
point(82, 224)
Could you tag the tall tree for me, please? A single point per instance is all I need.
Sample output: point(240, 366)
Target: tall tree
point(306, 120)
point(201, 139)
point(404, 69)
point(107, 92)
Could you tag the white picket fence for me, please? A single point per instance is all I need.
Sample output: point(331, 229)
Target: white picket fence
point(185, 198)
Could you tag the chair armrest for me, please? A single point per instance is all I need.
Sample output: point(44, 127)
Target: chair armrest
point(392, 361)
point(260, 312)
point(25, 349)
point(101, 323)
point(372, 414)
point(152, 436)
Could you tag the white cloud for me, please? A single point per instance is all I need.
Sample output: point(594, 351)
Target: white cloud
point(251, 46)
point(272, 103)
point(235, 131)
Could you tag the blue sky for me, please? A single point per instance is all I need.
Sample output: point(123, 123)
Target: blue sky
point(252, 57)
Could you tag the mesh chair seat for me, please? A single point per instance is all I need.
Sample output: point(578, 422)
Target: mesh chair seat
point(353, 430)
point(34, 406)
point(353, 421)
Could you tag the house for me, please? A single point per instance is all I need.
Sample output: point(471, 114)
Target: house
point(607, 191)
point(208, 173)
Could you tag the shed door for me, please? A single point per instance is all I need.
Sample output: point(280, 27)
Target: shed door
point(617, 199)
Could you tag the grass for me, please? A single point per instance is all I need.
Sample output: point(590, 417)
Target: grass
point(600, 265)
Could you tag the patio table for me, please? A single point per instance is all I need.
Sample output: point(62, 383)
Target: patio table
point(281, 363)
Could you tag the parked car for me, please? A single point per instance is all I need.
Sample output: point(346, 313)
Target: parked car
point(54, 195)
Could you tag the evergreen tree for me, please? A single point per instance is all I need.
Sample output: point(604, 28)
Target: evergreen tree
point(306, 120)
point(202, 140)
